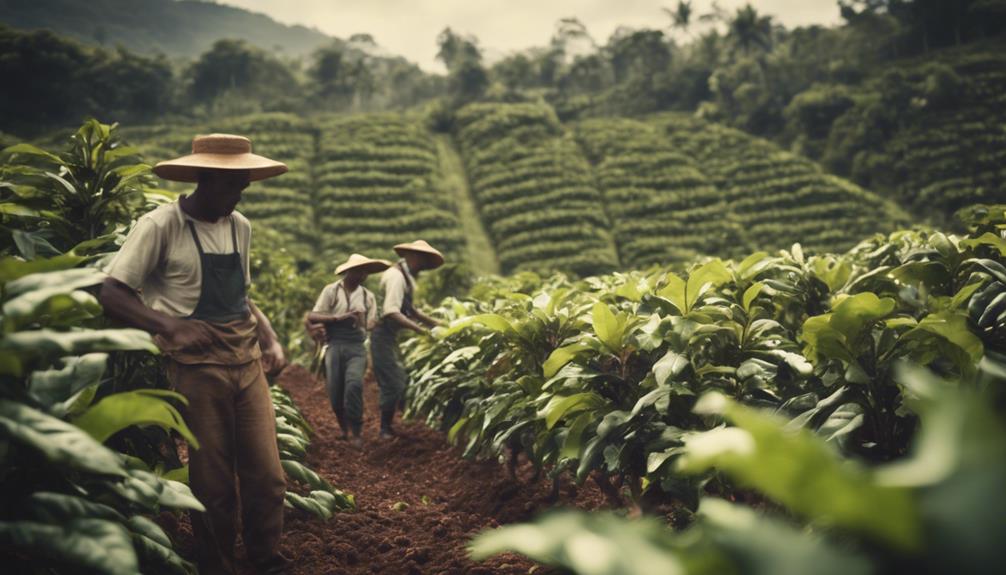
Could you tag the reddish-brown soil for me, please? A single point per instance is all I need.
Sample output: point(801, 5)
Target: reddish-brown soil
point(449, 499)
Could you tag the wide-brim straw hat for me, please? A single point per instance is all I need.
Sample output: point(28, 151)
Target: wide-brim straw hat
point(368, 265)
point(219, 152)
point(420, 246)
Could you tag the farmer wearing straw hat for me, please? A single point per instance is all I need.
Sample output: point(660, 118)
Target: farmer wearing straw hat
point(183, 275)
point(347, 310)
point(399, 312)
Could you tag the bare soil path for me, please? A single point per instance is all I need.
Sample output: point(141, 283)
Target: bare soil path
point(447, 499)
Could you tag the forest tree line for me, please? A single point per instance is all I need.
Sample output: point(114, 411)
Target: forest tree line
point(740, 67)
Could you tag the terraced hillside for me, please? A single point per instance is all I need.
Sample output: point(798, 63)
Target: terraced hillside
point(957, 156)
point(283, 204)
point(534, 190)
point(663, 208)
point(356, 183)
point(378, 185)
point(780, 198)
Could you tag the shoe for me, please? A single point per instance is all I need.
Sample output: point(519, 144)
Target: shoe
point(386, 434)
point(356, 442)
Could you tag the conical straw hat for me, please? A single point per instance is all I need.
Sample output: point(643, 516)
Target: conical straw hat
point(370, 266)
point(219, 152)
point(424, 248)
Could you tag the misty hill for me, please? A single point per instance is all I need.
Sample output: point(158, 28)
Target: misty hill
point(175, 28)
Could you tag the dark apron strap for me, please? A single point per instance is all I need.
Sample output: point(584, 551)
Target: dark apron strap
point(234, 233)
point(195, 237)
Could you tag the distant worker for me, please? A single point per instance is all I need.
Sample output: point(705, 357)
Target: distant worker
point(183, 275)
point(347, 311)
point(399, 311)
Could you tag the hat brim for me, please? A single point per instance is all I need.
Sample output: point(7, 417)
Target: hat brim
point(436, 257)
point(372, 267)
point(187, 168)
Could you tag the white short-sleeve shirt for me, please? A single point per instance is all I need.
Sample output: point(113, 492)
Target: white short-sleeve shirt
point(160, 260)
point(333, 301)
point(395, 283)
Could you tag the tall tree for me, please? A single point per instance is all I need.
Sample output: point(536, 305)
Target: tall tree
point(748, 29)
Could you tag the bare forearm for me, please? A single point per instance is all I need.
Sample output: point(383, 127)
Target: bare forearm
point(123, 304)
point(403, 321)
point(318, 317)
point(426, 319)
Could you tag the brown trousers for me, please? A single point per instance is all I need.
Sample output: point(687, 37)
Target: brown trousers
point(231, 414)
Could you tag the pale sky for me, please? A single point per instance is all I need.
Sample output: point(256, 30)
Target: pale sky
point(410, 27)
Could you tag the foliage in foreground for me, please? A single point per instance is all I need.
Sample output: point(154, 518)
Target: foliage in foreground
point(937, 511)
point(85, 419)
point(600, 378)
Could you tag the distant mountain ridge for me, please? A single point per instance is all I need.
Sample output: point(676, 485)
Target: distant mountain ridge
point(177, 28)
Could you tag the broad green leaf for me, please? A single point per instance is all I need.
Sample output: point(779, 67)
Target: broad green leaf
point(560, 405)
point(794, 468)
point(608, 327)
point(59, 384)
point(49, 507)
point(855, 313)
point(58, 306)
point(14, 268)
point(67, 280)
point(176, 494)
point(675, 292)
point(595, 544)
point(47, 344)
point(573, 443)
point(986, 239)
point(58, 441)
point(179, 474)
point(560, 357)
point(954, 328)
point(669, 366)
point(709, 275)
point(760, 545)
point(31, 150)
point(140, 407)
point(750, 294)
point(96, 545)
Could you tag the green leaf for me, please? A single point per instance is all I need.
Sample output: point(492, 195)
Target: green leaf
point(560, 357)
point(610, 329)
point(794, 467)
point(94, 544)
point(953, 327)
point(139, 407)
point(760, 545)
point(46, 344)
point(59, 384)
point(986, 239)
point(49, 507)
point(58, 441)
point(675, 292)
point(706, 277)
point(750, 294)
point(669, 366)
point(853, 314)
point(596, 544)
point(14, 268)
point(559, 405)
point(31, 150)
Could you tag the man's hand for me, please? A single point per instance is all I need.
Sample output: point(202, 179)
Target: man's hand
point(185, 334)
point(273, 358)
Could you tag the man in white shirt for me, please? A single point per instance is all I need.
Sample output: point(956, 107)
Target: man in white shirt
point(347, 310)
point(183, 275)
point(399, 312)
